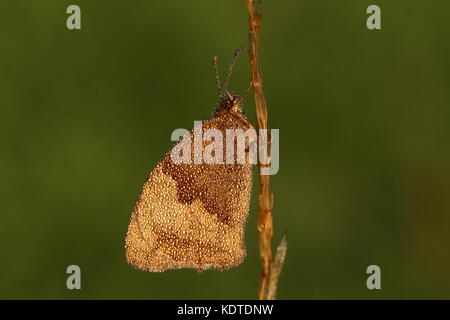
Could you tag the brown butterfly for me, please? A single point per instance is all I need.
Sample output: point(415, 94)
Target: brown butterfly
point(193, 215)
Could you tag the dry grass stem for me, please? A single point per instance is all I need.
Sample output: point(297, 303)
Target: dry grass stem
point(275, 270)
point(265, 224)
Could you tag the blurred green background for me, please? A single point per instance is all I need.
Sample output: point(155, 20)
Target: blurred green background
point(364, 119)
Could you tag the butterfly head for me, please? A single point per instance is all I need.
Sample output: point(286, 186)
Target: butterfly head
point(228, 100)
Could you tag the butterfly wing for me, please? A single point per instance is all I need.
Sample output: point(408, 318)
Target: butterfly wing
point(192, 215)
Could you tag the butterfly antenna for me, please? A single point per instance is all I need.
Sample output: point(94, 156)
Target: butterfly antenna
point(216, 69)
point(230, 69)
